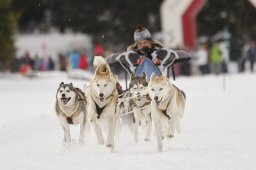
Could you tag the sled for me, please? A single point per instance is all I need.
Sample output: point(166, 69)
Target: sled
point(128, 61)
point(148, 67)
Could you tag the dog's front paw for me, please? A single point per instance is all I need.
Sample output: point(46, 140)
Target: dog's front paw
point(147, 139)
point(109, 145)
point(170, 136)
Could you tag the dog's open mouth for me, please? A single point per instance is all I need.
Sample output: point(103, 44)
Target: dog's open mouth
point(158, 102)
point(139, 98)
point(102, 99)
point(65, 100)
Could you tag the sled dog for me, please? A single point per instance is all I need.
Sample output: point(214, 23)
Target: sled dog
point(167, 107)
point(141, 105)
point(102, 101)
point(71, 109)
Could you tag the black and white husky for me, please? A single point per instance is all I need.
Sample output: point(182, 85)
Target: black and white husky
point(141, 105)
point(71, 109)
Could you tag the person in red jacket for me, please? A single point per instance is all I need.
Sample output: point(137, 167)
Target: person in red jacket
point(83, 62)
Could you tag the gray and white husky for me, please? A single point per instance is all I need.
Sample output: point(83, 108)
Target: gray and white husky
point(141, 105)
point(71, 109)
point(167, 107)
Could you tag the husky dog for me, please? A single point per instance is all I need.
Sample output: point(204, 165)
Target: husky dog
point(167, 107)
point(141, 105)
point(71, 109)
point(102, 101)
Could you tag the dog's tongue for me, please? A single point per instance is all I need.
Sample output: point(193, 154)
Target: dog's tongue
point(64, 100)
point(139, 98)
point(101, 99)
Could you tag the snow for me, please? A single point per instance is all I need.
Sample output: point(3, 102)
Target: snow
point(218, 129)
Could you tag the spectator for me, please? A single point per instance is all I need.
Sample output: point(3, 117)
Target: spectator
point(83, 63)
point(51, 65)
point(74, 59)
point(62, 62)
point(251, 54)
point(98, 49)
point(216, 58)
point(202, 59)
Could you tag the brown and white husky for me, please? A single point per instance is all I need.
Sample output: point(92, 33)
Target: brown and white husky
point(167, 107)
point(102, 101)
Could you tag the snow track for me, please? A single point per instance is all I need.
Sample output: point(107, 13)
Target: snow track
point(218, 129)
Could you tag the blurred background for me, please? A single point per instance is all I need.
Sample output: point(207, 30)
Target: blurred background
point(46, 35)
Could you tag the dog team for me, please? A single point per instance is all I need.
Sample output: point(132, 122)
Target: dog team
point(155, 102)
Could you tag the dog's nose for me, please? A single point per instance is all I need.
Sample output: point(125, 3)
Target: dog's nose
point(63, 95)
point(156, 98)
point(101, 95)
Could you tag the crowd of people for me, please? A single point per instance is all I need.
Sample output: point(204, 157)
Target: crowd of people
point(207, 58)
point(215, 58)
point(75, 59)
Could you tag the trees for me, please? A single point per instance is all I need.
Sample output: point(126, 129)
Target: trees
point(110, 21)
point(113, 21)
point(238, 16)
point(7, 28)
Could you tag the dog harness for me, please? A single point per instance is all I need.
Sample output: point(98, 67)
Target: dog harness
point(164, 111)
point(70, 119)
point(99, 109)
point(147, 102)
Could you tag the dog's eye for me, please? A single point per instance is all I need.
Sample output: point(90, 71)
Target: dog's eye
point(68, 91)
point(60, 91)
point(161, 89)
point(105, 85)
point(152, 89)
point(98, 85)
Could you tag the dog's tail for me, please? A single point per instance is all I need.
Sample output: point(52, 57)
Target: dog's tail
point(99, 62)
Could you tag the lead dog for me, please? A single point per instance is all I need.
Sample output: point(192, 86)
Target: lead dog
point(102, 101)
point(141, 105)
point(71, 109)
point(167, 107)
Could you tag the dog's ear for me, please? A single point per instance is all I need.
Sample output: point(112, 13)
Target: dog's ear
point(152, 77)
point(132, 76)
point(97, 71)
point(62, 83)
point(116, 76)
point(71, 84)
point(163, 77)
point(144, 76)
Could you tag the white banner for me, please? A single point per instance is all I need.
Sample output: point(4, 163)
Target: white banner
point(253, 2)
point(171, 20)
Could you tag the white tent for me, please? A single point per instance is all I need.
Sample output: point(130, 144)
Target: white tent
point(52, 43)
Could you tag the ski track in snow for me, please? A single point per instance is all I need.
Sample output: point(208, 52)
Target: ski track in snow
point(218, 129)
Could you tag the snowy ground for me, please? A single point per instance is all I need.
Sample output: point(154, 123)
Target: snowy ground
point(218, 129)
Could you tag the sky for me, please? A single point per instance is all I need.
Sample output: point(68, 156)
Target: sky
point(218, 128)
